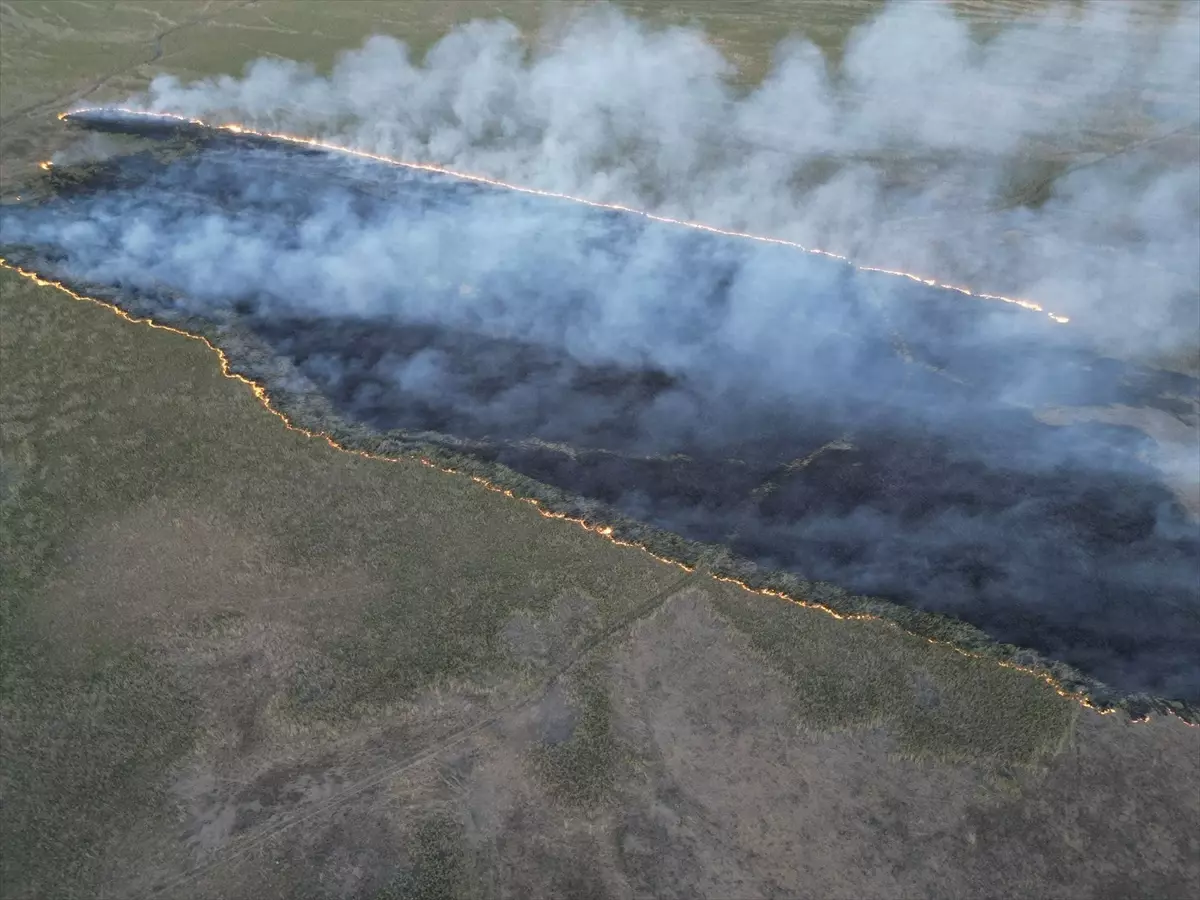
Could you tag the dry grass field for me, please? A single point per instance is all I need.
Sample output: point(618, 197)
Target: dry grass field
point(236, 662)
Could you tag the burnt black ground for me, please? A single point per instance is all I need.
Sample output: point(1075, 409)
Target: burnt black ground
point(851, 427)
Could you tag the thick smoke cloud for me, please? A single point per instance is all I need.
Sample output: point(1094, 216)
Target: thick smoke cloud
point(616, 111)
point(850, 426)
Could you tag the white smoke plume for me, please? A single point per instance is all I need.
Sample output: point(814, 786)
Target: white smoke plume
point(929, 126)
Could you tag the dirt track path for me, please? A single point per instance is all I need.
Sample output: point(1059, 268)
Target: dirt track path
point(238, 849)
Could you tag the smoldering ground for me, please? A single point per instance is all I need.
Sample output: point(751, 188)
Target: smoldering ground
point(853, 427)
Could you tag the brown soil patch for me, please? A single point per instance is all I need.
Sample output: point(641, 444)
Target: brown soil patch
point(742, 801)
point(169, 565)
point(720, 791)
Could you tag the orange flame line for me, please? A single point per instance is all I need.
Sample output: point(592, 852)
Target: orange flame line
point(261, 395)
point(604, 531)
point(234, 128)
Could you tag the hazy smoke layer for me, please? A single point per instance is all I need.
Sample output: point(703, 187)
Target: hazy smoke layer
point(853, 427)
point(933, 130)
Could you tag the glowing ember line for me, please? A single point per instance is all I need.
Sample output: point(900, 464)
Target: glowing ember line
point(604, 531)
point(235, 128)
point(261, 395)
point(1042, 675)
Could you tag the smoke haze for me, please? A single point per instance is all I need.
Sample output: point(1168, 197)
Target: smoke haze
point(613, 110)
point(850, 426)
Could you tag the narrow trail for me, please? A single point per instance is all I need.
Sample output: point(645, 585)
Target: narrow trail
point(238, 849)
point(1042, 187)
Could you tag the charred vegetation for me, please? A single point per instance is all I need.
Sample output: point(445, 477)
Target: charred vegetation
point(910, 480)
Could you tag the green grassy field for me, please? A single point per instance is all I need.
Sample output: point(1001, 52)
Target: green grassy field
point(384, 578)
point(237, 662)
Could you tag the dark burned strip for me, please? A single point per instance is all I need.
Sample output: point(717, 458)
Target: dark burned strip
point(946, 494)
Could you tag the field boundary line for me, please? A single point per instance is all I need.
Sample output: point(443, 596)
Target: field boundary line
point(455, 738)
